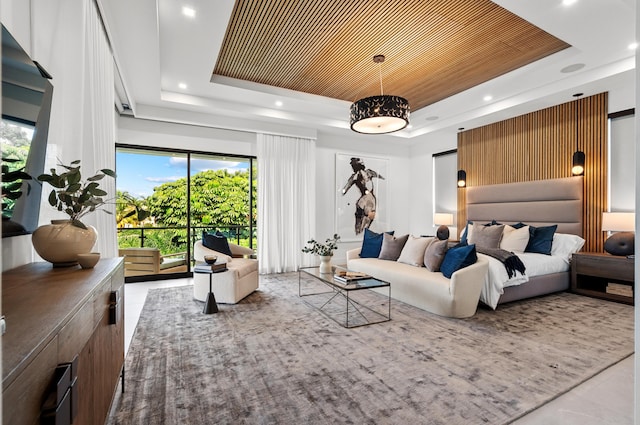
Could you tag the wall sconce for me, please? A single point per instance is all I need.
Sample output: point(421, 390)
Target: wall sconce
point(622, 242)
point(443, 220)
point(577, 165)
point(462, 178)
point(577, 168)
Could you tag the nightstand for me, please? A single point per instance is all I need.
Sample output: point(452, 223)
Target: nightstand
point(603, 276)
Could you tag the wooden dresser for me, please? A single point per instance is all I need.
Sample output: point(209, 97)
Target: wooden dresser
point(53, 317)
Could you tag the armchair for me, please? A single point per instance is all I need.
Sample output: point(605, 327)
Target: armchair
point(231, 286)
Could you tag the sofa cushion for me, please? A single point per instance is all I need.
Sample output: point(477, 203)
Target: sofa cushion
point(392, 246)
point(371, 244)
point(486, 236)
point(413, 251)
point(434, 254)
point(458, 258)
point(217, 242)
point(243, 266)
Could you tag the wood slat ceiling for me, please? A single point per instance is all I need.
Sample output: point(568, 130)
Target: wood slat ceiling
point(434, 49)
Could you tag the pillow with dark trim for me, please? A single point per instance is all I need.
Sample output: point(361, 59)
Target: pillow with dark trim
point(217, 242)
point(541, 239)
point(464, 239)
point(458, 258)
point(372, 243)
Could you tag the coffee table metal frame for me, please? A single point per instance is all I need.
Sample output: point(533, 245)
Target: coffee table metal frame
point(342, 289)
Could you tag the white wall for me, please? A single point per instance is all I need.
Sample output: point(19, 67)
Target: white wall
point(150, 133)
point(398, 182)
point(421, 166)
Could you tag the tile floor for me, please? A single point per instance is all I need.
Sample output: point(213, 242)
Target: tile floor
point(606, 399)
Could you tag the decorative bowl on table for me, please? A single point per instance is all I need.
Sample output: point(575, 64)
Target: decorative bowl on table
point(210, 259)
point(89, 260)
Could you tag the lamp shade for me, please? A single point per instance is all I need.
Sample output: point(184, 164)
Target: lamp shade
point(443, 219)
point(618, 221)
point(462, 178)
point(622, 242)
point(379, 114)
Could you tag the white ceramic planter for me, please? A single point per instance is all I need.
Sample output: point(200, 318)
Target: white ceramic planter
point(60, 242)
point(325, 264)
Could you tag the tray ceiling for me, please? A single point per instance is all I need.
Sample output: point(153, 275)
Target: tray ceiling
point(433, 49)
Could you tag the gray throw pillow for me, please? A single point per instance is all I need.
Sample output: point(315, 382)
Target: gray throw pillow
point(392, 246)
point(434, 255)
point(486, 236)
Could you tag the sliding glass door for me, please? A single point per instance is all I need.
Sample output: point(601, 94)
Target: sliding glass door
point(166, 199)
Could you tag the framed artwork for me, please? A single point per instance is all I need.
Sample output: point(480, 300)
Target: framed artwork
point(361, 196)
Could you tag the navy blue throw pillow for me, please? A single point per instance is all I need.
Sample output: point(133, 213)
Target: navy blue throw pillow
point(458, 258)
point(372, 244)
point(541, 239)
point(466, 232)
point(216, 241)
point(519, 226)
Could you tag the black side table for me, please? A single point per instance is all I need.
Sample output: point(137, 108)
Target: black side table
point(210, 305)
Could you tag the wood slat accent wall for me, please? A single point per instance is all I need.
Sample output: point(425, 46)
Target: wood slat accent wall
point(540, 145)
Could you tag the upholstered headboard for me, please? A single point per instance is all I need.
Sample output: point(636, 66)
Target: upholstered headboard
point(538, 203)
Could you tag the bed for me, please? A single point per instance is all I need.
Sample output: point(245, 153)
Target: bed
point(536, 203)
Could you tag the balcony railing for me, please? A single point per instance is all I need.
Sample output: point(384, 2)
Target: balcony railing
point(175, 248)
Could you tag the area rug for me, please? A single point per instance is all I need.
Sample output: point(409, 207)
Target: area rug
point(274, 359)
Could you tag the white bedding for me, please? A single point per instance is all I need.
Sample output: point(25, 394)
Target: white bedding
point(535, 264)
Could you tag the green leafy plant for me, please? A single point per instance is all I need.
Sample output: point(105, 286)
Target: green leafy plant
point(74, 196)
point(323, 249)
point(12, 184)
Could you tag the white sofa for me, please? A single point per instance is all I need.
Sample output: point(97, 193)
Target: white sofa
point(231, 286)
point(456, 297)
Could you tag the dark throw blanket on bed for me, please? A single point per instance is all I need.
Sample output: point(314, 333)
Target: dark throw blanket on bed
point(510, 260)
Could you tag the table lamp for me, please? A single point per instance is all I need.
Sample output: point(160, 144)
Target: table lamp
point(443, 220)
point(623, 223)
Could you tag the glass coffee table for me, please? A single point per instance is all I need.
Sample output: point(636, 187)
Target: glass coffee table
point(345, 303)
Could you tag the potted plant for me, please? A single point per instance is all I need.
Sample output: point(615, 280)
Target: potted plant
point(324, 250)
point(61, 241)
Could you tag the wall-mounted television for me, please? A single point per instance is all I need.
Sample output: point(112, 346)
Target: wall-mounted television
point(26, 108)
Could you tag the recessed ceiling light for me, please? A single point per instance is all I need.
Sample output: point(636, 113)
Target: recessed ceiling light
point(188, 11)
point(569, 2)
point(487, 98)
point(633, 46)
point(183, 86)
point(572, 68)
point(278, 103)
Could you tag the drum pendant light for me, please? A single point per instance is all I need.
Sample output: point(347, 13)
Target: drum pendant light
point(577, 168)
point(379, 114)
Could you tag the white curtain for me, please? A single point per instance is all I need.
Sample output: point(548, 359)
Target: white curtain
point(99, 125)
point(286, 200)
point(69, 40)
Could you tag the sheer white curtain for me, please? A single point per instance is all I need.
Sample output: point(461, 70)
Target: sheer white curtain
point(99, 124)
point(69, 39)
point(286, 200)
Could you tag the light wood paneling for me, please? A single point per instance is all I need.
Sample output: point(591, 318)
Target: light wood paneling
point(434, 49)
point(538, 146)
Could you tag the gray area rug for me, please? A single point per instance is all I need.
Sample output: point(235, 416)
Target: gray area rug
point(273, 359)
